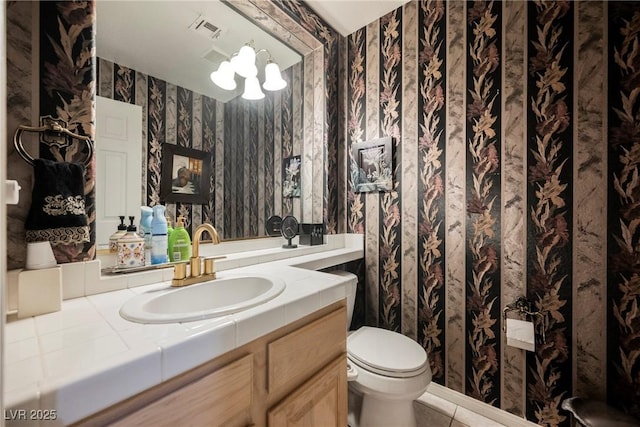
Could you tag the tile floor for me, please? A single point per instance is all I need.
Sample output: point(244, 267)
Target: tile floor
point(434, 411)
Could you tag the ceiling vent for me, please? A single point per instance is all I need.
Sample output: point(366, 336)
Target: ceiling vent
point(205, 27)
point(215, 55)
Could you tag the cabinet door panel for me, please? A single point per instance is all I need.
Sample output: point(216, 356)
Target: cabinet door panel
point(321, 401)
point(210, 401)
point(294, 356)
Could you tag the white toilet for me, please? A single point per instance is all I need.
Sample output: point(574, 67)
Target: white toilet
point(387, 372)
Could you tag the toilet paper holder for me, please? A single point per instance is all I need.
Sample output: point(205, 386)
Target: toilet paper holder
point(523, 306)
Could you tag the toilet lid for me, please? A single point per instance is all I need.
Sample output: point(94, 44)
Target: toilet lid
point(386, 352)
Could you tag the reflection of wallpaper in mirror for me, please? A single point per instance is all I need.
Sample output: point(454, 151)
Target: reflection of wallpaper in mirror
point(246, 140)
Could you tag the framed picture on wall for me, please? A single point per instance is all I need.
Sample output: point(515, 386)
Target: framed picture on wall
point(291, 177)
point(185, 175)
point(372, 166)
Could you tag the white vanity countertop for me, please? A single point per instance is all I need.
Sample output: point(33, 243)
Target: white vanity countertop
point(86, 357)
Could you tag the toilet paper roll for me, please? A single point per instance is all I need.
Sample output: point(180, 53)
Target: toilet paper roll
point(520, 334)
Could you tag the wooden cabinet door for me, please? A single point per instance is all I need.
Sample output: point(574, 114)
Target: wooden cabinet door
point(211, 401)
point(321, 401)
point(294, 357)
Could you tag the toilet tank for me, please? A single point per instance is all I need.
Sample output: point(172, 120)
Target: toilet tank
point(350, 292)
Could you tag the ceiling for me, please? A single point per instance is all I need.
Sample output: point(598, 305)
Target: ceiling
point(154, 37)
point(347, 16)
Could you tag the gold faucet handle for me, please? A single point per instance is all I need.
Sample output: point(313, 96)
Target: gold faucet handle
point(180, 270)
point(209, 266)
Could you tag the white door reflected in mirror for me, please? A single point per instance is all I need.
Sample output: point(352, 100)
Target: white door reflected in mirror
point(118, 159)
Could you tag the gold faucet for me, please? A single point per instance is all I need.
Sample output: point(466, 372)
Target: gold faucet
point(180, 277)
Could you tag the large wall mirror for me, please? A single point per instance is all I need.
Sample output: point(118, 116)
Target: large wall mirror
point(162, 65)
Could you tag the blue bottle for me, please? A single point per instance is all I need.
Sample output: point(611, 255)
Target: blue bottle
point(159, 241)
point(144, 230)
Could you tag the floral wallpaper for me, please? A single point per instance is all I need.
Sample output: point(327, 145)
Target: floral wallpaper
point(157, 104)
point(184, 138)
point(355, 126)
point(483, 200)
point(550, 93)
point(287, 137)
point(623, 375)
point(431, 207)
point(332, 207)
point(550, 208)
point(209, 107)
point(67, 89)
point(269, 155)
point(390, 107)
point(125, 89)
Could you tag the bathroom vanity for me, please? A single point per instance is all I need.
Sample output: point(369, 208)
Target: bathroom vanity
point(276, 363)
point(297, 374)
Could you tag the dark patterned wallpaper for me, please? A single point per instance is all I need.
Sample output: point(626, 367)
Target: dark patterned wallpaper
point(390, 238)
point(431, 164)
point(549, 227)
point(483, 106)
point(509, 160)
point(623, 334)
point(66, 91)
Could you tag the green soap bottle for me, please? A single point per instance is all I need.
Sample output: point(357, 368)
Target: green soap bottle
point(179, 243)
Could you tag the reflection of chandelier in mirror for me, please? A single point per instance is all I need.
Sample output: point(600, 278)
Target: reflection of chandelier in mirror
point(243, 63)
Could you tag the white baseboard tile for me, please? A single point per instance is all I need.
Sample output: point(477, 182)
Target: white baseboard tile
point(491, 412)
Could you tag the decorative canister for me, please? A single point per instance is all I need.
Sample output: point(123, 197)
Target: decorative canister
point(131, 248)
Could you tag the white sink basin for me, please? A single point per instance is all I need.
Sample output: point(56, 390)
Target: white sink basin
point(203, 300)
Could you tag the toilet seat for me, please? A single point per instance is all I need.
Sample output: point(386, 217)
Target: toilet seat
point(386, 353)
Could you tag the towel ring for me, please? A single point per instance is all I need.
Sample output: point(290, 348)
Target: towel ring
point(53, 128)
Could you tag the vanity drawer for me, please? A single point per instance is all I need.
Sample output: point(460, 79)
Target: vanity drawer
point(293, 358)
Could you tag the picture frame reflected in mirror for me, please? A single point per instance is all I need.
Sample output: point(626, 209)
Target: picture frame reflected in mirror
point(185, 174)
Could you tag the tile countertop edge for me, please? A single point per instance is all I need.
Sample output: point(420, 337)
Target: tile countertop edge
point(59, 392)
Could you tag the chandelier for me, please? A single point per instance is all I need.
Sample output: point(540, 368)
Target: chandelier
point(243, 63)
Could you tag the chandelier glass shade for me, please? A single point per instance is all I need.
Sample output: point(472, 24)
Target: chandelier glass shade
point(252, 89)
point(223, 77)
point(243, 63)
point(273, 78)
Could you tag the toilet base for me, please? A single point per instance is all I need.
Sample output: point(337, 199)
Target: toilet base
point(368, 411)
point(355, 407)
